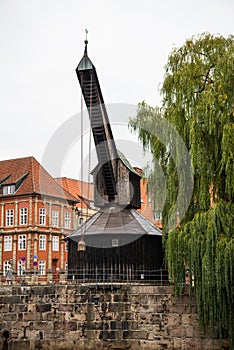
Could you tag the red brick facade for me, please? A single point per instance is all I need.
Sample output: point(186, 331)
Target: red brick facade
point(147, 204)
point(35, 216)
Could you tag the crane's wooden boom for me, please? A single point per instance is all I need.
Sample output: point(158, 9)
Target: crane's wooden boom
point(115, 180)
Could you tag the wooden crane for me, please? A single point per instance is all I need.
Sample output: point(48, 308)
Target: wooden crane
point(117, 242)
point(114, 179)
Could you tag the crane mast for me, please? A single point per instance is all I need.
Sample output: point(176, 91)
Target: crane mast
point(115, 182)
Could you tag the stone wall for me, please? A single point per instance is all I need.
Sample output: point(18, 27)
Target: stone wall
point(98, 317)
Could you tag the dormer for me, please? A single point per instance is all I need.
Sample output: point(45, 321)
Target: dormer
point(8, 187)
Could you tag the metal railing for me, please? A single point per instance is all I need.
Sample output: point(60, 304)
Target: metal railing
point(101, 275)
point(96, 275)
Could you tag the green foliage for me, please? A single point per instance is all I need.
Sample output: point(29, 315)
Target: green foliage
point(198, 100)
point(206, 245)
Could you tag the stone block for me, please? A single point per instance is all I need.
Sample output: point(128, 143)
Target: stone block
point(155, 319)
point(144, 300)
point(107, 335)
point(4, 307)
point(127, 307)
point(67, 326)
point(120, 344)
point(43, 308)
point(2, 325)
point(20, 307)
point(135, 334)
point(42, 326)
point(187, 319)
point(11, 316)
point(149, 345)
point(12, 299)
point(19, 344)
point(113, 307)
point(65, 307)
point(177, 343)
point(175, 331)
point(189, 331)
point(31, 316)
point(174, 319)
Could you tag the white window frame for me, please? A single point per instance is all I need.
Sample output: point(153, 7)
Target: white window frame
point(22, 242)
point(67, 220)
point(42, 216)
point(23, 216)
point(7, 243)
point(41, 267)
point(10, 189)
point(10, 217)
point(158, 215)
point(6, 266)
point(20, 268)
point(55, 243)
point(81, 221)
point(55, 218)
point(42, 242)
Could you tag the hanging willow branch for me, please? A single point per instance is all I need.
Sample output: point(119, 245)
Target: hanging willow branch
point(205, 120)
point(206, 245)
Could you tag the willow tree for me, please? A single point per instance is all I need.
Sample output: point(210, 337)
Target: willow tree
point(198, 101)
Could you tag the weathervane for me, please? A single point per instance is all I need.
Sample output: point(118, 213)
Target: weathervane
point(86, 36)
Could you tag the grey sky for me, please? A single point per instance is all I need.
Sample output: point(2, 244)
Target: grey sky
point(129, 42)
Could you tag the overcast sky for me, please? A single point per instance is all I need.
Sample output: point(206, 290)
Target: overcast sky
point(42, 41)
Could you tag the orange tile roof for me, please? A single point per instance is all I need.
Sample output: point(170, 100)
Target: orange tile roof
point(79, 189)
point(32, 177)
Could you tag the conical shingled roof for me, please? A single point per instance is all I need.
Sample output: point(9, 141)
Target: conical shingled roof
point(116, 222)
point(31, 177)
point(85, 62)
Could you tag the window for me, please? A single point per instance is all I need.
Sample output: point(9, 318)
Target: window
point(92, 206)
point(67, 218)
point(23, 216)
point(158, 215)
point(20, 268)
point(81, 220)
point(115, 242)
point(22, 242)
point(55, 243)
point(7, 243)
point(66, 266)
point(41, 267)
point(6, 266)
point(42, 242)
point(42, 216)
point(55, 218)
point(10, 217)
point(66, 246)
point(9, 189)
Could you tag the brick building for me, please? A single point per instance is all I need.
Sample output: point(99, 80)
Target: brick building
point(84, 193)
point(36, 213)
point(147, 209)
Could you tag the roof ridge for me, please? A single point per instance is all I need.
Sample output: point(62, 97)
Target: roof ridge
point(33, 174)
point(57, 184)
